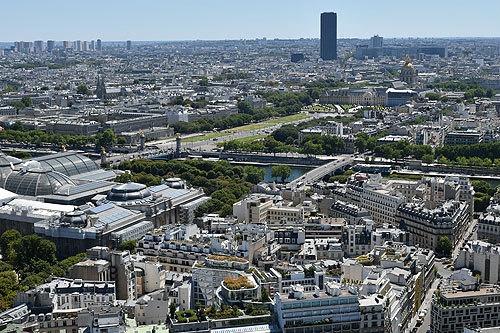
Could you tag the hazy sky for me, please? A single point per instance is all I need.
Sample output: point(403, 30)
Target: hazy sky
point(30, 20)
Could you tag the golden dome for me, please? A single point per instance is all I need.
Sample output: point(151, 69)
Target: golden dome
point(408, 62)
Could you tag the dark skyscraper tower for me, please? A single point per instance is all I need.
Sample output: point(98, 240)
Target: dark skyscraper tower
point(328, 36)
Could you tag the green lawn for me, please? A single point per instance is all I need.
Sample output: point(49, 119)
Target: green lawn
point(318, 108)
point(208, 136)
point(287, 119)
point(249, 127)
point(250, 138)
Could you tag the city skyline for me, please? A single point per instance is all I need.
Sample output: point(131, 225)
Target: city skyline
point(220, 20)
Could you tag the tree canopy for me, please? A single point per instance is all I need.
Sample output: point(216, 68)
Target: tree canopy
point(32, 248)
point(128, 245)
point(445, 246)
point(286, 134)
point(82, 89)
point(224, 183)
point(28, 261)
point(105, 139)
point(27, 101)
point(280, 171)
point(245, 107)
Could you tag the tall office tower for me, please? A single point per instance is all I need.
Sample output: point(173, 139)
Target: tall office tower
point(99, 46)
point(129, 45)
point(328, 36)
point(376, 41)
point(79, 45)
point(28, 47)
point(39, 46)
point(92, 45)
point(51, 44)
point(18, 46)
point(67, 44)
point(85, 46)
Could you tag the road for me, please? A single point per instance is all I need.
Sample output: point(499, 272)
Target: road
point(470, 234)
point(443, 174)
point(323, 170)
point(444, 273)
point(166, 146)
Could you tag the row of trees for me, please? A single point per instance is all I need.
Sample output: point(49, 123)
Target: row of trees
point(321, 144)
point(285, 104)
point(197, 104)
point(266, 145)
point(19, 133)
point(208, 124)
point(27, 262)
point(229, 75)
point(366, 143)
point(481, 150)
point(342, 178)
point(310, 145)
point(471, 88)
point(404, 149)
point(471, 162)
point(484, 155)
point(224, 183)
point(25, 102)
point(455, 85)
point(483, 192)
point(285, 140)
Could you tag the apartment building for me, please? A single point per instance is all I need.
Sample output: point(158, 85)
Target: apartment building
point(427, 226)
point(465, 304)
point(207, 277)
point(350, 212)
point(174, 255)
point(252, 209)
point(67, 294)
point(459, 138)
point(376, 195)
point(337, 308)
point(489, 224)
point(259, 209)
point(480, 257)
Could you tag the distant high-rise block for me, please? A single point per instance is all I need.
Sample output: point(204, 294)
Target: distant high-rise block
point(92, 45)
point(27, 47)
point(51, 44)
point(79, 45)
point(39, 46)
point(296, 57)
point(99, 45)
point(129, 45)
point(376, 41)
point(328, 36)
point(67, 44)
point(86, 47)
point(18, 46)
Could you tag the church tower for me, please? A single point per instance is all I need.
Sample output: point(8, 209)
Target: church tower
point(100, 90)
point(408, 72)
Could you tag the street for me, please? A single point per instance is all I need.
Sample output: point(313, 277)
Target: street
point(167, 146)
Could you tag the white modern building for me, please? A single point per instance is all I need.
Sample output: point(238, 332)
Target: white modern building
point(480, 257)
